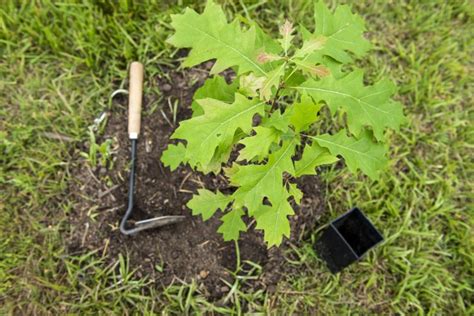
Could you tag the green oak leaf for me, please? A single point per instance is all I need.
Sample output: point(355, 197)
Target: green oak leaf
point(232, 225)
point(214, 88)
point(273, 220)
point(359, 153)
point(313, 156)
point(210, 37)
point(173, 156)
point(365, 105)
point(343, 31)
point(255, 182)
point(206, 203)
point(278, 121)
point(264, 42)
point(216, 127)
point(304, 113)
point(340, 32)
point(258, 145)
point(221, 155)
point(295, 192)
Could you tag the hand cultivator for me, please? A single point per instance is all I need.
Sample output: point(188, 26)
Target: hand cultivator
point(134, 120)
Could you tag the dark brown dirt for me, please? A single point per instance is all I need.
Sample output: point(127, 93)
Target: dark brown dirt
point(189, 250)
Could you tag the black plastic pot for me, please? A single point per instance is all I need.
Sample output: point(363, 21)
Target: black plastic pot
point(347, 239)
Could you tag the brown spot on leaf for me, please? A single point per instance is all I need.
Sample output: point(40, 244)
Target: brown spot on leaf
point(320, 71)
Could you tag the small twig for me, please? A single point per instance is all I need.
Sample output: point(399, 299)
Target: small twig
point(84, 236)
point(204, 243)
point(166, 118)
point(184, 180)
point(185, 191)
point(250, 224)
point(199, 181)
point(106, 246)
point(104, 193)
point(92, 174)
point(113, 209)
point(58, 136)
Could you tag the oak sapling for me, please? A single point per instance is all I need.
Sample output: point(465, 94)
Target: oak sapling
point(286, 85)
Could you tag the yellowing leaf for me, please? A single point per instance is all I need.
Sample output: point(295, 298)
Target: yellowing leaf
point(359, 153)
point(206, 203)
point(232, 225)
point(249, 84)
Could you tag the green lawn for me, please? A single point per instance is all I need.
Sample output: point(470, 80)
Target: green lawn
point(59, 63)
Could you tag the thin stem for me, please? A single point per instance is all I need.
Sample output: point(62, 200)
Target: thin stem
point(237, 255)
point(276, 97)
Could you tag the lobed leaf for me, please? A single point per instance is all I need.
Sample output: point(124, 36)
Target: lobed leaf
point(250, 84)
point(232, 225)
point(272, 80)
point(257, 182)
point(214, 88)
point(359, 153)
point(258, 145)
point(295, 192)
point(304, 113)
point(216, 128)
point(210, 37)
point(365, 105)
point(278, 121)
point(340, 33)
point(273, 220)
point(206, 203)
point(173, 156)
point(313, 156)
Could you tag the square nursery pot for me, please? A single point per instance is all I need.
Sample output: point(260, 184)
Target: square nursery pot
point(346, 240)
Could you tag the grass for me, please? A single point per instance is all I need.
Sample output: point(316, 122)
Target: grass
point(61, 61)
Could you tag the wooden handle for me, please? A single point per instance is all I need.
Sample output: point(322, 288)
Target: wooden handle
point(135, 94)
